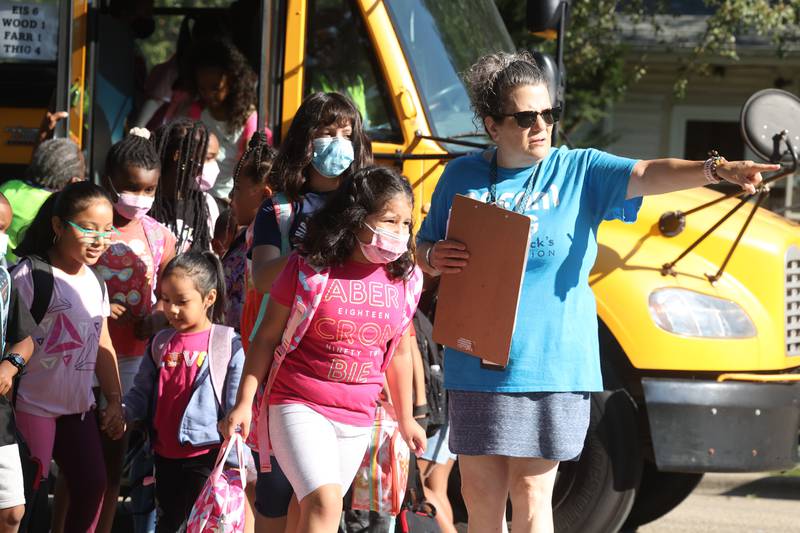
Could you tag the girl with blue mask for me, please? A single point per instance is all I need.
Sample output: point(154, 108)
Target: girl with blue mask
point(324, 147)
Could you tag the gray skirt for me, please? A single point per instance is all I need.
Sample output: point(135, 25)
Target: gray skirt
point(547, 425)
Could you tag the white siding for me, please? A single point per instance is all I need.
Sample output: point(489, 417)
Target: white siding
point(649, 118)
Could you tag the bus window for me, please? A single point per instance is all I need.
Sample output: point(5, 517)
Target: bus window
point(340, 57)
point(28, 76)
point(28, 31)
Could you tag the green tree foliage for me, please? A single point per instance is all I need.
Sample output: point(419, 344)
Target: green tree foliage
point(601, 66)
point(161, 45)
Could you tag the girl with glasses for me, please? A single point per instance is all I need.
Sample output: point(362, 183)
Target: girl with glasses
point(72, 345)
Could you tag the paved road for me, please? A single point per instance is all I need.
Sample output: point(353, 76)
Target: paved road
point(733, 503)
point(723, 503)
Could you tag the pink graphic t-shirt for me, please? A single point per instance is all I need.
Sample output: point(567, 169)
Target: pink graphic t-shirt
point(180, 365)
point(58, 377)
point(336, 368)
point(130, 273)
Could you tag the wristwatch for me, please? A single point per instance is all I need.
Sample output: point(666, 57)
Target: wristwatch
point(16, 360)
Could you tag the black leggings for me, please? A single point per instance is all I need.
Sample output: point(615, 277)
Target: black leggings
point(178, 484)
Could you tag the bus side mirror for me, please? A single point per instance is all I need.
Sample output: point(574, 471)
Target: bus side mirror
point(543, 17)
point(547, 64)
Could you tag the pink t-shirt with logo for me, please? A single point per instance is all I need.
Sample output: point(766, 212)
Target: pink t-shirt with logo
point(58, 377)
point(336, 369)
point(182, 360)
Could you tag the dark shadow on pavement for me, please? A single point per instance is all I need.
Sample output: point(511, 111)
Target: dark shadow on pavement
point(773, 487)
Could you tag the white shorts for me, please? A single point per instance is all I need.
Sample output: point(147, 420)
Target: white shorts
point(12, 487)
point(314, 451)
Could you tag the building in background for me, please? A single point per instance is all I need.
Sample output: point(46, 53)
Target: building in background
point(652, 122)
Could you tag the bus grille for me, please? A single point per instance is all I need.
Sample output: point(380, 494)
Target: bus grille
point(793, 301)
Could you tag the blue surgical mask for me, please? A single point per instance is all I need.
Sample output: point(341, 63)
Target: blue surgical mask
point(332, 155)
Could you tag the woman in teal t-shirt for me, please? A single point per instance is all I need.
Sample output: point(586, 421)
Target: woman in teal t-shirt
point(512, 427)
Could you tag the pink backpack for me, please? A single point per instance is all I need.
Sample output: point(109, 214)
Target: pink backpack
point(311, 283)
point(220, 506)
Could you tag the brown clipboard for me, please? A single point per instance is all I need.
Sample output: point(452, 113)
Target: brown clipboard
point(477, 308)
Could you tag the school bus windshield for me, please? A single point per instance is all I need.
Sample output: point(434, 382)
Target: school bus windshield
point(441, 40)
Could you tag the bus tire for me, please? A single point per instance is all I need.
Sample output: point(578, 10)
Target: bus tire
point(659, 493)
point(596, 493)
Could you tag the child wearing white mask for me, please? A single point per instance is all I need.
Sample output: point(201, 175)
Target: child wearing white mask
point(131, 268)
point(208, 177)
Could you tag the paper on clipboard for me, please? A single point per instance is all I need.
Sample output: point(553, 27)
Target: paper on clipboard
point(477, 308)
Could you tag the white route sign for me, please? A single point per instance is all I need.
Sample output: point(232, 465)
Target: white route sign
point(28, 31)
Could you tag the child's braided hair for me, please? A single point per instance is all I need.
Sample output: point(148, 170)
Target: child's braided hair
point(182, 146)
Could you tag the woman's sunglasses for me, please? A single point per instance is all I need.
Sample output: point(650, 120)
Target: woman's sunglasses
point(526, 119)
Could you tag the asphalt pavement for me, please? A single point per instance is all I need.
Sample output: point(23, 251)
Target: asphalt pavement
point(723, 503)
point(733, 503)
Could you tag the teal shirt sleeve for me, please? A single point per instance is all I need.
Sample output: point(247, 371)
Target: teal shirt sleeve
point(434, 227)
point(607, 177)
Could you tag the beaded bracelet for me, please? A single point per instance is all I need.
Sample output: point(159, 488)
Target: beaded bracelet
point(710, 168)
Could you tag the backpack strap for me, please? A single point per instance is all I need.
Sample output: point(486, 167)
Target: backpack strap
point(412, 288)
point(219, 357)
point(100, 280)
point(42, 278)
point(5, 298)
point(284, 213)
point(157, 244)
point(311, 283)
point(155, 241)
point(158, 346)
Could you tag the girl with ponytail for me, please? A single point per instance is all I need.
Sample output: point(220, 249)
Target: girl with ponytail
point(186, 368)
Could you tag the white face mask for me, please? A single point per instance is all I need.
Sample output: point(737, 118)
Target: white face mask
point(3, 243)
point(208, 177)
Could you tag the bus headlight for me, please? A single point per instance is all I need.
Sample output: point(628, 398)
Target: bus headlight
point(694, 314)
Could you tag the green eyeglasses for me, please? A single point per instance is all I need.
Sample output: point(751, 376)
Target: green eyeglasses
point(93, 235)
point(526, 119)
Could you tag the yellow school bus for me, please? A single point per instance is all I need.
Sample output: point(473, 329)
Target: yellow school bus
point(699, 376)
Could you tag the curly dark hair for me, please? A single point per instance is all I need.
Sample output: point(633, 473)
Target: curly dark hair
point(294, 156)
point(492, 78)
point(224, 55)
point(331, 237)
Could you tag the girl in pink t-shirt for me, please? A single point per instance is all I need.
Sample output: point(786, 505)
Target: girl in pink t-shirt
point(323, 398)
point(71, 345)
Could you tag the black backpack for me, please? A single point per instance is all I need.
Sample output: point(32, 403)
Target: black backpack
point(433, 365)
point(417, 515)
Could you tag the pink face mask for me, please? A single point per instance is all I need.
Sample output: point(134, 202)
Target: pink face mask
point(208, 177)
point(385, 246)
point(132, 206)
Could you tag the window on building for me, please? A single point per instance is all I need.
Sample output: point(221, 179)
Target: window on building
point(702, 136)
